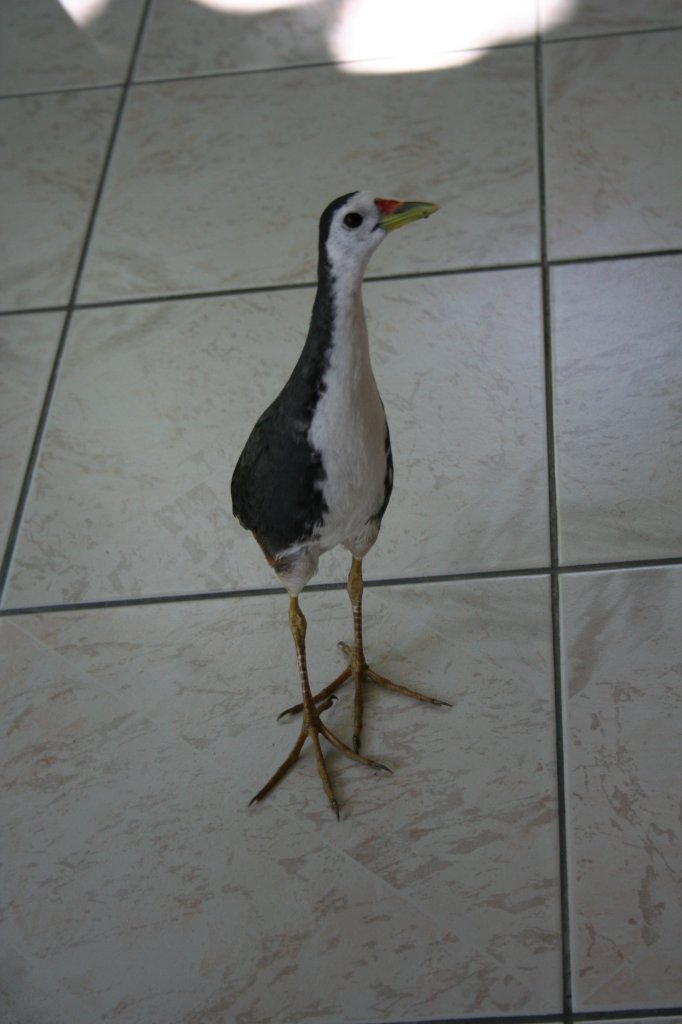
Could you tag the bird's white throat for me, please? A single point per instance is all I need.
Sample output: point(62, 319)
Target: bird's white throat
point(348, 428)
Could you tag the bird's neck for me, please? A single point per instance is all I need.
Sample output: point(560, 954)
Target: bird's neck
point(340, 292)
point(349, 345)
point(336, 343)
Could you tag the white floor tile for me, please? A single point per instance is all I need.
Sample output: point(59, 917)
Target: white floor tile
point(614, 145)
point(27, 348)
point(219, 183)
point(561, 19)
point(137, 737)
point(618, 379)
point(622, 656)
point(49, 45)
point(48, 179)
point(185, 38)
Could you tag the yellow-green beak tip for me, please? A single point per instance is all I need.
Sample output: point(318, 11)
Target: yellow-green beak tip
point(395, 214)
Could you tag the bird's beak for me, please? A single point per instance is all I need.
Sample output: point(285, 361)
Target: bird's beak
point(394, 214)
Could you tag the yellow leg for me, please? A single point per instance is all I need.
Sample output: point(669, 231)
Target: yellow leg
point(356, 658)
point(326, 695)
point(312, 727)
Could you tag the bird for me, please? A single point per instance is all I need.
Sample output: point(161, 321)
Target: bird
point(317, 468)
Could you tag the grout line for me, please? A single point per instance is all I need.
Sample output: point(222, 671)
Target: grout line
point(491, 268)
point(635, 563)
point(566, 969)
point(646, 254)
point(60, 90)
point(559, 1018)
point(32, 459)
point(378, 584)
point(584, 37)
point(241, 72)
point(330, 63)
point(61, 344)
point(640, 1014)
point(546, 40)
point(30, 310)
point(547, 1018)
point(216, 293)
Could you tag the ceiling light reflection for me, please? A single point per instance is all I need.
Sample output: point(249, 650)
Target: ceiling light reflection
point(83, 12)
point(250, 6)
point(414, 35)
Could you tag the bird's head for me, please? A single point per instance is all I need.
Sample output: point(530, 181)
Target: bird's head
point(353, 226)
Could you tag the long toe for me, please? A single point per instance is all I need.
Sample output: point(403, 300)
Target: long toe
point(388, 684)
point(362, 674)
point(312, 730)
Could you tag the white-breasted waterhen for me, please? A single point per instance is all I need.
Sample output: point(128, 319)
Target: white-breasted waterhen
point(317, 469)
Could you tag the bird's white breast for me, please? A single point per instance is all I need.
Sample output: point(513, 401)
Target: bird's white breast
point(348, 429)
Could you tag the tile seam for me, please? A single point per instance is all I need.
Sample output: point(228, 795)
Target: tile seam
point(528, 41)
point(537, 572)
point(13, 534)
point(215, 293)
point(553, 525)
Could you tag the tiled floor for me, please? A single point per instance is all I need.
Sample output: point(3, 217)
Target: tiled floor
point(162, 172)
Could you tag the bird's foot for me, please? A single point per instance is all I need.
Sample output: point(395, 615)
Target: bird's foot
point(361, 672)
point(312, 728)
point(358, 670)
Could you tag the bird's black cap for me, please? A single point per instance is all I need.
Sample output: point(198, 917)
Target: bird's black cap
point(325, 224)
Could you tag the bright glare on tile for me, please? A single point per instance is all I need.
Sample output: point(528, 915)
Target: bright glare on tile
point(204, 36)
point(185, 38)
point(63, 44)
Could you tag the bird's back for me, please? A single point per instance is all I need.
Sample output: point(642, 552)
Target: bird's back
point(276, 485)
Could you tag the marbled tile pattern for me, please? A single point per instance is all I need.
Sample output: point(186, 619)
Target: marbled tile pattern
point(138, 736)
point(618, 406)
point(144, 643)
point(44, 47)
point(597, 17)
point(185, 38)
point(622, 673)
point(154, 403)
point(231, 174)
point(51, 153)
point(613, 141)
point(27, 349)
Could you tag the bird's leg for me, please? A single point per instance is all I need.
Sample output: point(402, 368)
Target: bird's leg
point(356, 658)
point(312, 727)
point(325, 697)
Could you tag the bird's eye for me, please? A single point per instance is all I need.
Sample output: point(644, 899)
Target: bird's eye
point(352, 220)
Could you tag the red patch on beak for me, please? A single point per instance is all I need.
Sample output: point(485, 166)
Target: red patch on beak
point(387, 206)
